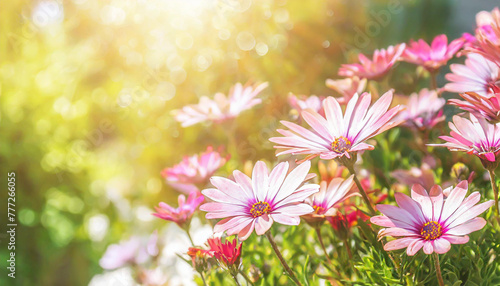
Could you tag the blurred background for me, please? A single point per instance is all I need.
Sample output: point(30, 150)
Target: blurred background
point(87, 89)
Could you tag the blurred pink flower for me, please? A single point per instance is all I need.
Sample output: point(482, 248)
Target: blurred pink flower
point(135, 250)
point(478, 75)
point(428, 221)
point(434, 56)
point(306, 102)
point(382, 62)
point(474, 136)
point(487, 107)
point(424, 110)
point(221, 107)
point(181, 215)
point(247, 204)
point(488, 35)
point(423, 176)
point(337, 136)
point(194, 170)
point(326, 201)
point(347, 87)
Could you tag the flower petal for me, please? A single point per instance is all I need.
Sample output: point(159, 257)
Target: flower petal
point(399, 243)
point(456, 239)
point(454, 200)
point(441, 245)
point(414, 247)
point(286, 219)
point(293, 180)
point(263, 224)
point(468, 227)
point(260, 180)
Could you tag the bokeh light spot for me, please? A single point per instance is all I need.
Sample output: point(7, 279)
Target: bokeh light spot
point(245, 41)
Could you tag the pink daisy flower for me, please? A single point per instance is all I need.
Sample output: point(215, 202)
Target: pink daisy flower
point(488, 36)
point(347, 87)
point(427, 220)
point(382, 62)
point(194, 171)
point(484, 20)
point(182, 214)
point(475, 136)
point(336, 135)
point(221, 108)
point(478, 75)
point(325, 202)
point(424, 110)
point(303, 102)
point(247, 204)
point(487, 107)
point(434, 56)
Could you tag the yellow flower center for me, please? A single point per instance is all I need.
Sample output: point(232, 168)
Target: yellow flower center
point(431, 230)
point(341, 145)
point(318, 209)
point(260, 208)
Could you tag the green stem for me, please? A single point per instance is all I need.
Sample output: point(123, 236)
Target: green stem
point(438, 269)
point(361, 190)
point(318, 232)
point(203, 278)
point(282, 260)
point(235, 278)
point(495, 188)
point(348, 248)
point(190, 239)
point(434, 80)
point(246, 277)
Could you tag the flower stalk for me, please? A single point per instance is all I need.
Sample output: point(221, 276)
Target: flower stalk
point(495, 189)
point(235, 278)
point(435, 257)
point(249, 282)
point(282, 260)
point(368, 203)
point(320, 239)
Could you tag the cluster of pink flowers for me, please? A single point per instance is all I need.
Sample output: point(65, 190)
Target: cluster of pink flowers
point(341, 129)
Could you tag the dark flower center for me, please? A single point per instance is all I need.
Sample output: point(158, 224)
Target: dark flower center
point(431, 230)
point(318, 209)
point(260, 208)
point(341, 145)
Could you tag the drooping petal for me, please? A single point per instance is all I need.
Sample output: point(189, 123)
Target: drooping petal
point(441, 245)
point(263, 223)
point(414, 247)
